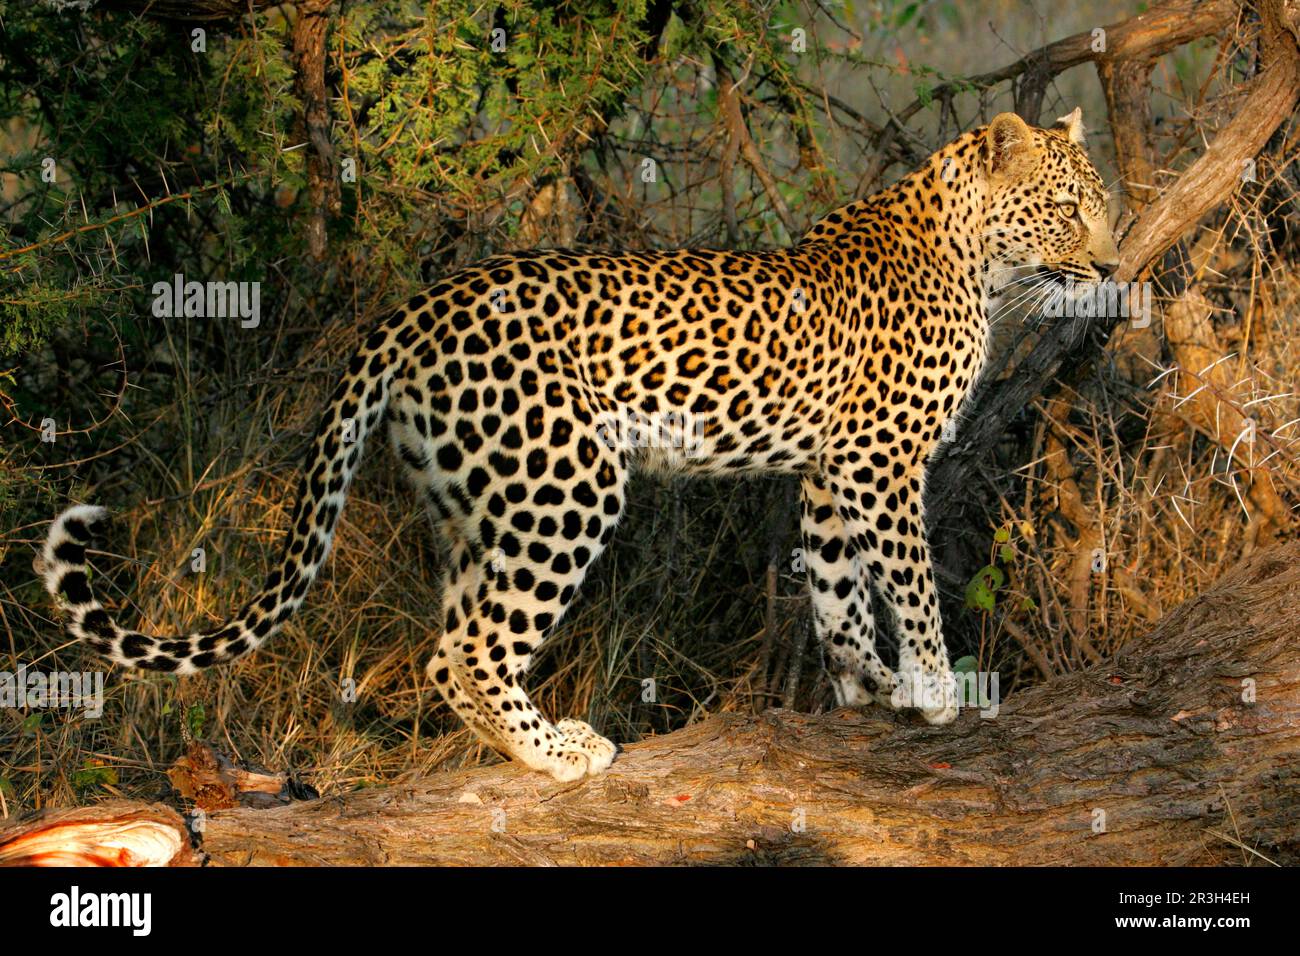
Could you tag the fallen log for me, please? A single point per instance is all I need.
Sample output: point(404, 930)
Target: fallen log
point(1182, 750)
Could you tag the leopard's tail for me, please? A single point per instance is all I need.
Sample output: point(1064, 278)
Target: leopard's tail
point(356, 407)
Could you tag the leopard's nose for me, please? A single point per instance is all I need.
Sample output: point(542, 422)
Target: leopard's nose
point(1105, 269)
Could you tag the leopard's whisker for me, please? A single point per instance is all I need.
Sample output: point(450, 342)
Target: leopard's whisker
point(1022, 296)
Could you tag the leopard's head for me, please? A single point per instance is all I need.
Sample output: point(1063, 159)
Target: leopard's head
point(1046, 215)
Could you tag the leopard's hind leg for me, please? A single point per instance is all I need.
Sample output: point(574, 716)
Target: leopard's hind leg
point(530, 544)
point(492, 636)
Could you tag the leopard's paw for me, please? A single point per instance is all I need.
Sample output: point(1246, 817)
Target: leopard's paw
point(933, 693)
point(579, 752)
point(943, 714)
point(873, 685)
point(579, 736)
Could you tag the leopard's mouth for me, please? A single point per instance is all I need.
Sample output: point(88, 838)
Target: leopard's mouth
point(1069, 273)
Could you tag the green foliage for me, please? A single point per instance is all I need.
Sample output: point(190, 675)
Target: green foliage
point(32, 723)
point(195, 720)
point(93, 774)
point(991, 582)
point(982, 589)
point(95, 111)
point(130, 116)
point(966, 665)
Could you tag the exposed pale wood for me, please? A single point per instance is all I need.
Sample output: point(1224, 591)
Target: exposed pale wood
point(121, 833)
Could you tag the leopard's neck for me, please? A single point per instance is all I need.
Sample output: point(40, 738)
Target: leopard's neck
point(935, 212)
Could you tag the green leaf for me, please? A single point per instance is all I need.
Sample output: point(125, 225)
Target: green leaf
point(32, 723)
point(194, 719)
point(965, 665)
point(93, 775)
point(981, 592)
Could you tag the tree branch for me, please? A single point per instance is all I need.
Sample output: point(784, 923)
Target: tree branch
point(309, 52)
point(1165, 27)
point(1268, 100)
point(739, 140)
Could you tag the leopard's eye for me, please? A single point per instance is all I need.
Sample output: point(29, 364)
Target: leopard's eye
point(1068, 209)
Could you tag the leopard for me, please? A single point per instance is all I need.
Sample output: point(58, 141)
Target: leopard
point(521, 392)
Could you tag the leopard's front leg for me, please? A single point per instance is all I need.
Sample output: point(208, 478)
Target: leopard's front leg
point(841, 602)
point(882, 516)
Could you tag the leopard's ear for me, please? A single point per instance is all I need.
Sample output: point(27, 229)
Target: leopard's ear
point(1011, 146)
point(1072, 125)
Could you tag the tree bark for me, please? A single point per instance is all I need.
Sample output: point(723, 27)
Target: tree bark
point(1127, 86)
point(309, 54)
point(1180, 751)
